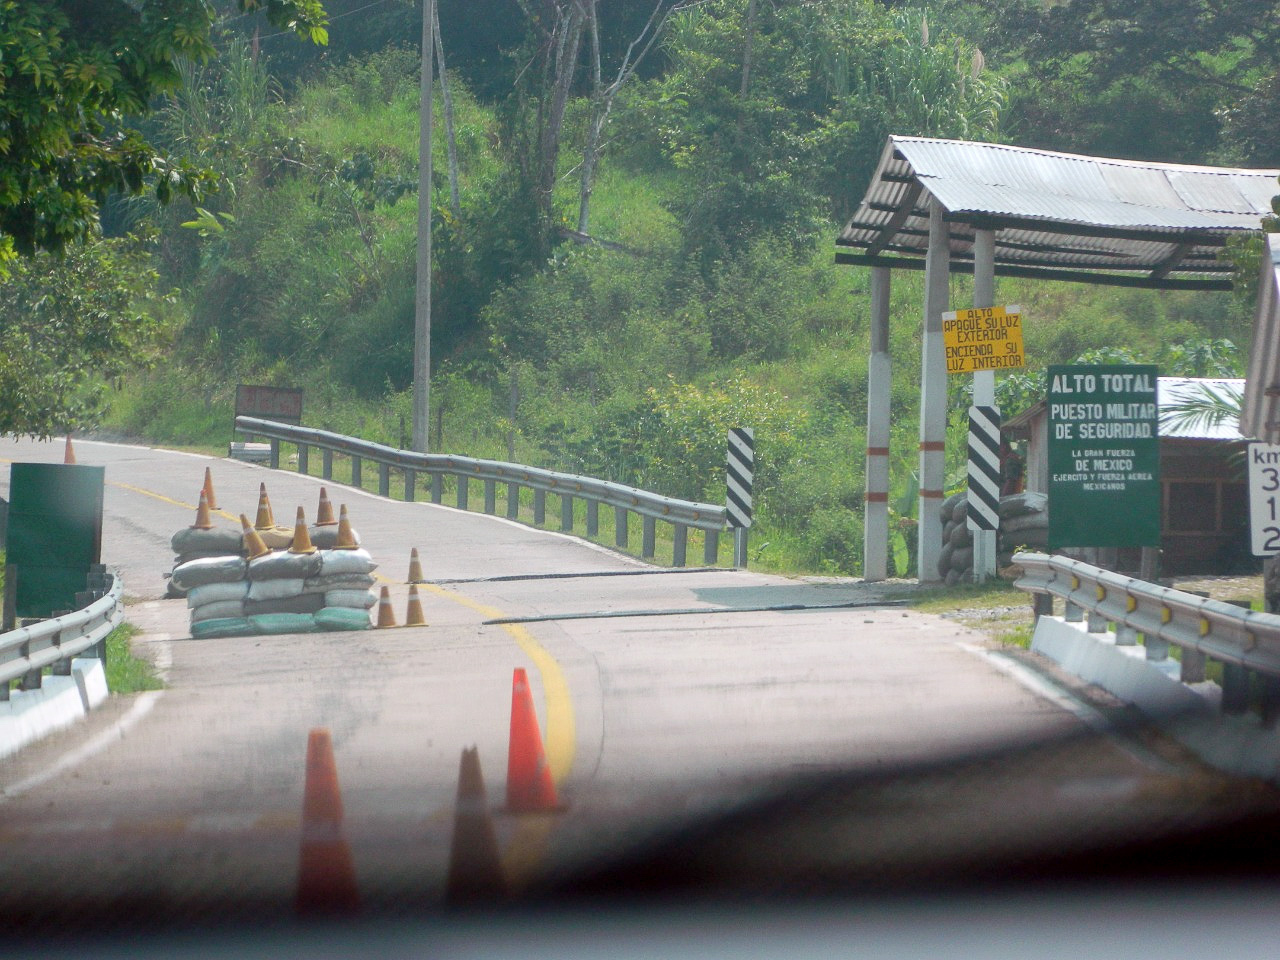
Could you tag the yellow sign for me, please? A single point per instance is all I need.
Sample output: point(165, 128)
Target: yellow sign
point(985, 338)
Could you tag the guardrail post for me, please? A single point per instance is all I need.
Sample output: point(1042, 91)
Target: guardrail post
point(513, 500)
point(1270, 694)
point(680, 545)
point(1235, 689)
point(1096, 622)
point(326, 463)
point(384, 479)
point(1193, 664)
point(1041, 605)
point(593, 518)
point(275, 458)
point(711, 548)
point(648, 546)
point(63, 667)
point(304, 453)
point(1128, 637)
point(356, 468)
point(437, 487)
point(1157, 649)
point(1072, 613)
point(410, 482)
point(464, 491)
point(539, 507)
point(620, 526)
point(566, 513)
point(490, 497)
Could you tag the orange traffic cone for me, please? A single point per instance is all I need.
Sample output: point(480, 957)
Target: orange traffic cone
point(415, 567)
point(326, 876)
point(204, 521)
point(301, 538)
point(386, 616)
point(475, 869)
point(266, 520)
point(346, 539)
point(208, 489)
point(68, 454)
point(324, 512)
point(529, 785)
point(413, 616)
point(253, 545)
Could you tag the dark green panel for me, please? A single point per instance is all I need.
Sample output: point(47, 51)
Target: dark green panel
point(1104, 456)
point(54, 533)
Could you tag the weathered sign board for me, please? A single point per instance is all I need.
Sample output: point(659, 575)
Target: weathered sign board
point(1264, 499)
point(984, 338)
point(1104, 456)
point(281, 404)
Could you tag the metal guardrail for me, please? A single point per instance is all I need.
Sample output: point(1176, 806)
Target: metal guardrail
point(651, 507)
point(1244, 641)
point(25, 652)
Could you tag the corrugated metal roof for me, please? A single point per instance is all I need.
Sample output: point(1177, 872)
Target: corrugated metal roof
point(1141, 224)
point(1261, 415)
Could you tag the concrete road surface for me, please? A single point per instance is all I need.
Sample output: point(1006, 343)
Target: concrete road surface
point(663, 696)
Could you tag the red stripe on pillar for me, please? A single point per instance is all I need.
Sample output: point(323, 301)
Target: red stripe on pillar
point(929, 446)
point(877, 497)
point(877, 451)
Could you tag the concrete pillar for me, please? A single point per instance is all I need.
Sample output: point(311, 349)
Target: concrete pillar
point(933, 399)
point(984, 383)
point(875, 536)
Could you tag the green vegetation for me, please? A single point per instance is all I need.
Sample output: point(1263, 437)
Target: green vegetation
point(125, 672)
point(628, 268)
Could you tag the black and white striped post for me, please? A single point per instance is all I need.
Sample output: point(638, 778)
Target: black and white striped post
point(741, 468)
point(984, 487)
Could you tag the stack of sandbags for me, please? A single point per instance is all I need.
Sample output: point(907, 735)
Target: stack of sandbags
point(300, 590)
point(1024, 524)
point(955, 563)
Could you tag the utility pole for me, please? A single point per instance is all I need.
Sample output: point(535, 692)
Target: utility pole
point(422, 290)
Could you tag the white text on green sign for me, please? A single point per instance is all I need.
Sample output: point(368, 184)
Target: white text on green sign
point(984, 338)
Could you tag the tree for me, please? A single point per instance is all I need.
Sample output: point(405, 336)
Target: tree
point(72, 75)
point(68, 325)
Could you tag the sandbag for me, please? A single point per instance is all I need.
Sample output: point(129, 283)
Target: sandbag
point(960, 536)
point(277, 538)
point(952, 577)
point(334, 562)
point(213, 592)
point(218, 610)
point(342, 618)
point(962, 559)
point(196, 573)
point(944, 558)
point(326, 537)
point(1020, 504)
point(305, 603)
point(275, 589)
point(218, 542)
point(284, 566)
point(340, 581)
point(1035, 539)
point(1028, 521)
point(277, 623)
point(361, 599)
point(229, 627)
point(949, 505)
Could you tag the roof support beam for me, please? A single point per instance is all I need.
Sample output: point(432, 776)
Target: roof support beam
point(1175, 257)
point(905, 207)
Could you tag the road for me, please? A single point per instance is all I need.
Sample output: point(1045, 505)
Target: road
point(184, 805)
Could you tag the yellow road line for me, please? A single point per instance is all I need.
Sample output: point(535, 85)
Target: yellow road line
point(161, 497)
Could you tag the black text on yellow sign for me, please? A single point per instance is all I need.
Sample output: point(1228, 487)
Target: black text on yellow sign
point(985, 338)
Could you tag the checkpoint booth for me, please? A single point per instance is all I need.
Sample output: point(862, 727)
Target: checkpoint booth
point(951, 206)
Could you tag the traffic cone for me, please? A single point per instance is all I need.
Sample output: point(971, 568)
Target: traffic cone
point(415, 567)
point(208, 489)
point(301, 539)
point(326, 876)
point(529, 785)
point(204, 521)
point(68, 454)
point(324, 512)
point(386, 616)
point(413, 616)
point(253, 545)
point(346, 539)
point(475, 869)
point(266, 520)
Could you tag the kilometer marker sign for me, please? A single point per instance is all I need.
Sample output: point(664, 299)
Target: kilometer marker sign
point(1264, 499)
point(984, 338)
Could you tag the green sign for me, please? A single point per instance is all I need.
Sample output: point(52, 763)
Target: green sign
point(1104, 456)
point(54, 534)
